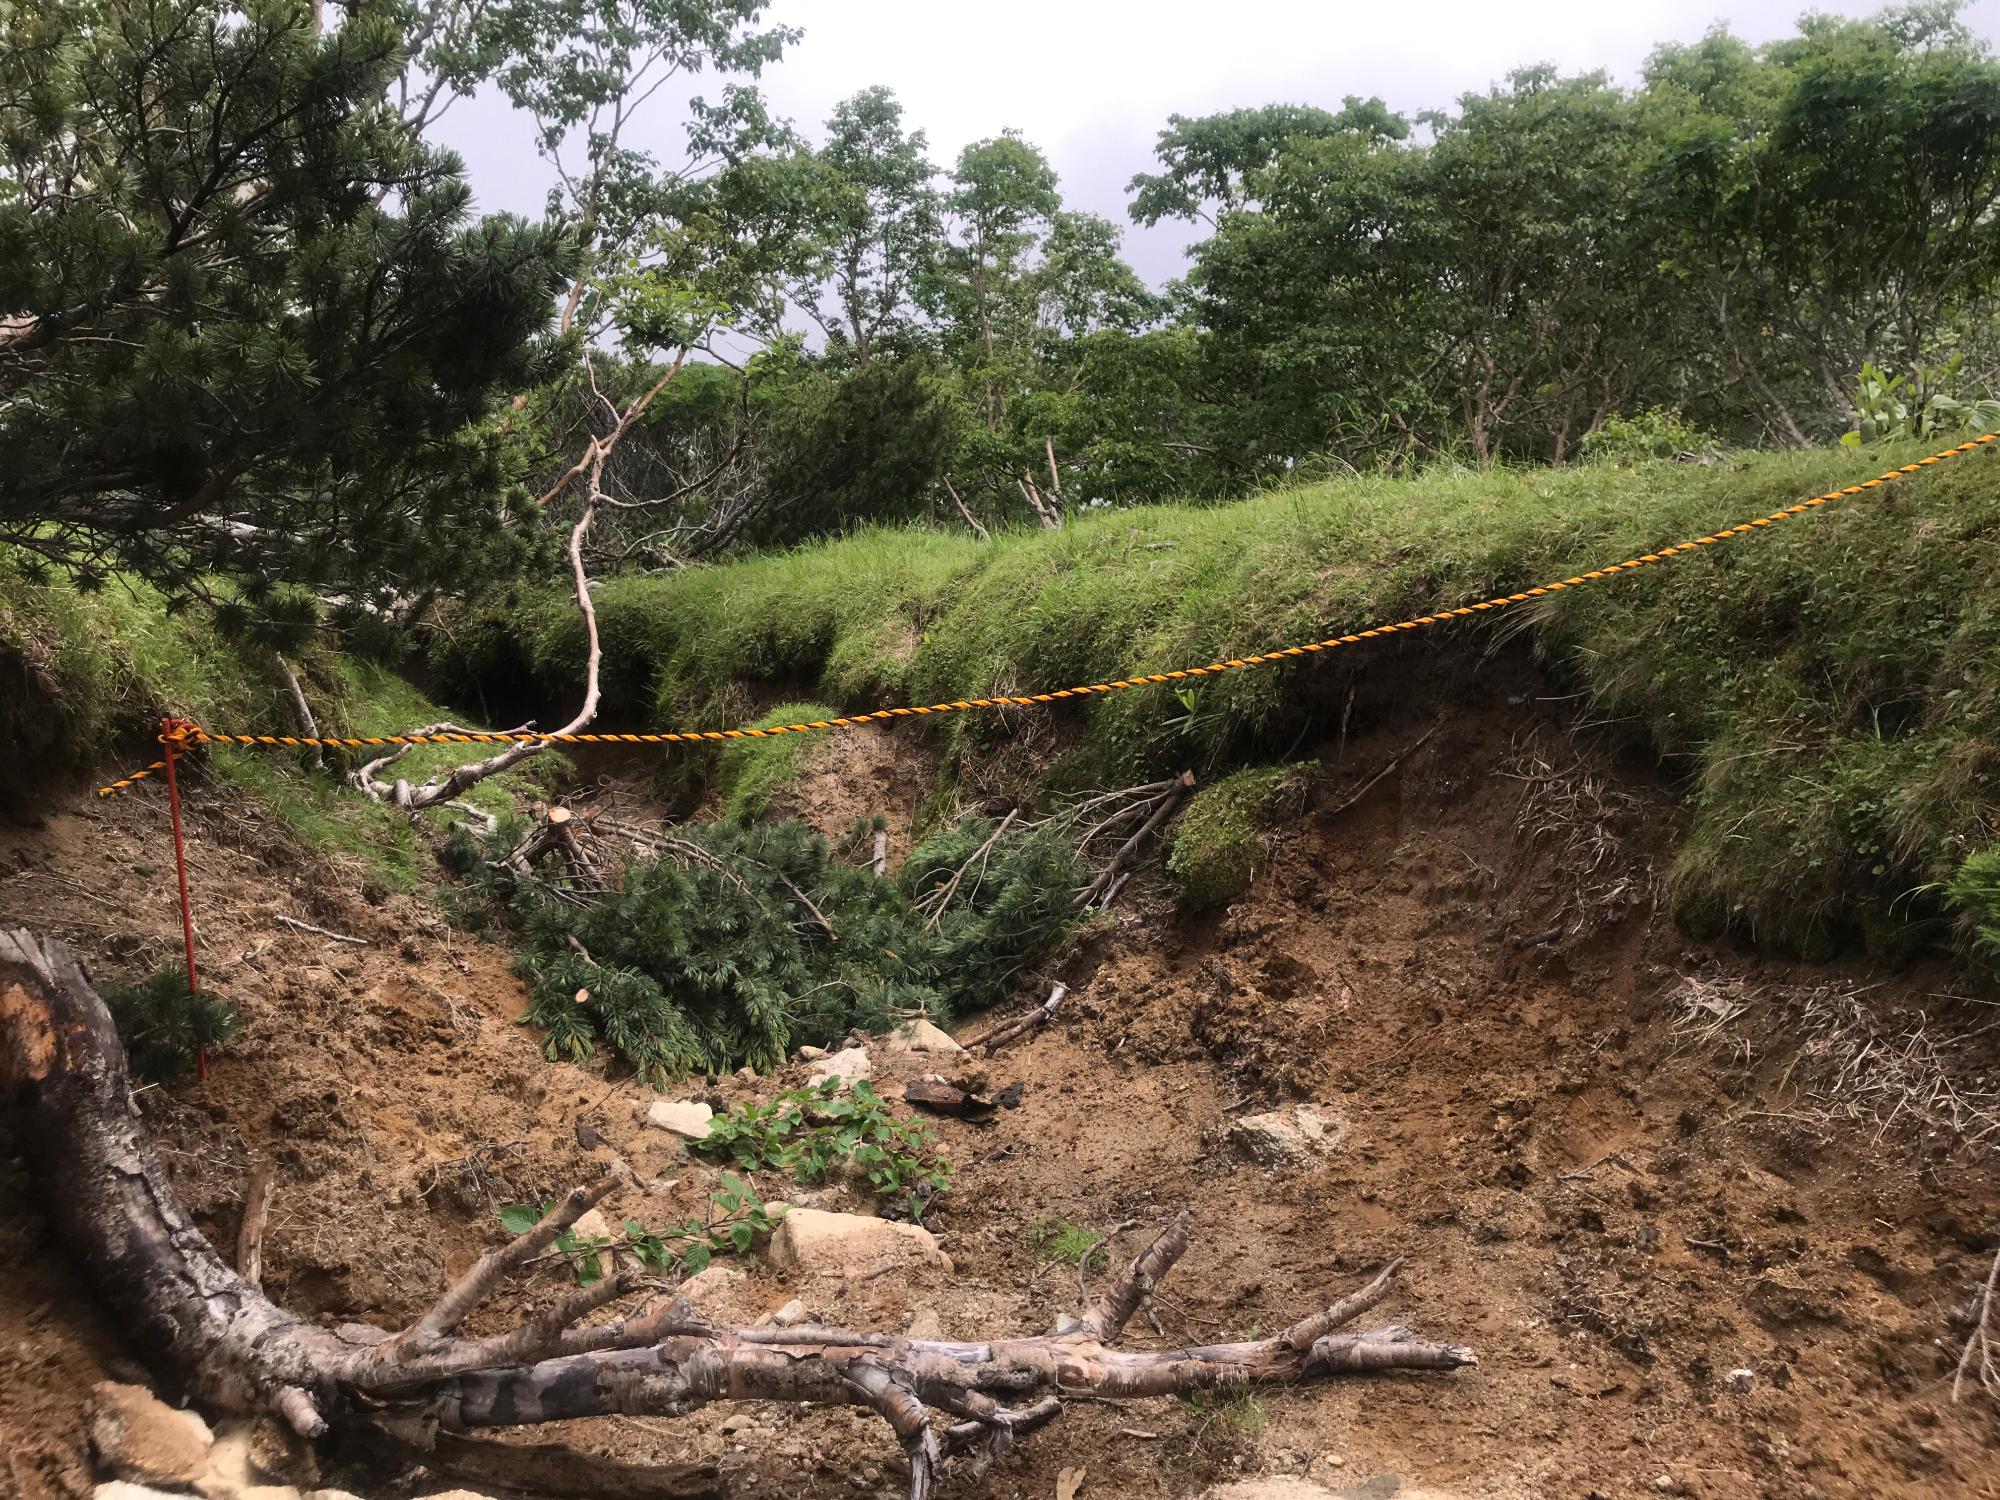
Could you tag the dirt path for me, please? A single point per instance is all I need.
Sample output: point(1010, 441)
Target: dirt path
point(1616, 1212)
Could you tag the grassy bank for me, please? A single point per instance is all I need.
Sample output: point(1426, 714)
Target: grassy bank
point(84, 679)
point(1829, 688)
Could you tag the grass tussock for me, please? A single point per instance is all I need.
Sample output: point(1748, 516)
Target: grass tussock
point(1826, 688)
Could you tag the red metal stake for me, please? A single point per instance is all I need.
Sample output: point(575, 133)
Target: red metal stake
point(170, 732)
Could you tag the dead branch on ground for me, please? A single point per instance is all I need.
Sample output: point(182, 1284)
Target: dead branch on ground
point(1978, 1361)
point(107, 1195)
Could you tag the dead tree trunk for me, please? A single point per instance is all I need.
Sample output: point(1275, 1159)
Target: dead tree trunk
point(63, 1073)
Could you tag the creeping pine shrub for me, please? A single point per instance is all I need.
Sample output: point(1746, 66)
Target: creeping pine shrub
point(163, 1024)
point(743, 941)
point(1975, 890)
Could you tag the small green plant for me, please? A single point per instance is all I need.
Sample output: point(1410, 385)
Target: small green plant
point(813, 1132)
point(1975, 891)
point(1071, 1244)
point(738, 1220)
point(1229, 1414)
point(164, 1025)
point(1890, 408)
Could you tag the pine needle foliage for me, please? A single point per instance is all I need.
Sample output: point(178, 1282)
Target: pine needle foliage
point(743, 941)
point(164, 1024)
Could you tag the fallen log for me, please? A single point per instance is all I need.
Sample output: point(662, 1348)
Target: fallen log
point(63, 1075)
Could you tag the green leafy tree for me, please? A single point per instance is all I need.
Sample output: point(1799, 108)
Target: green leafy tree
point(1830, 200)
point(1003, 193)
point(881, 224)
point(1207, 161)
point(247, 329)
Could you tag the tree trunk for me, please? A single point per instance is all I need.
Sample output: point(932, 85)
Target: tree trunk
point(63, 1073)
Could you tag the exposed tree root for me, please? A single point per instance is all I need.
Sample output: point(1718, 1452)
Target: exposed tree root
point(63, 1072)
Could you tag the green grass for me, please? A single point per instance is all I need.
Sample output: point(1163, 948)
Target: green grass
point(750, 773)
point(1067, 1243)
point(1828, 689)
point(85, 678)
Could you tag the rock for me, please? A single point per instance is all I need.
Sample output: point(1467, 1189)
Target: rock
point(791, 1314)
point(456, 1495)
point(592, 1225)
point(812, 1241)
point(137, 1436)
point(1272, 1487)
point(746, 1075)
point(849, 1063)
point(256, 1459)
point(736, 1422)
point(331, 1495)
point(925, 1324)
point(124, 1489)
point(1739, 1381)
point(683, 1118)
point(924, 1038)
point(1293, 1137)
point(715, 1283)
point(810, 1054)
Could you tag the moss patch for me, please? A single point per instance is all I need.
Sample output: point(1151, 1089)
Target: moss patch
point(1218, 844)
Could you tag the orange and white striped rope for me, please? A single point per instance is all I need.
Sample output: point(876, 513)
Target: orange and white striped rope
point(187, 733)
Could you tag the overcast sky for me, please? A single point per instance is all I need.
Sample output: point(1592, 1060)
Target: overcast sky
point(1092, 81)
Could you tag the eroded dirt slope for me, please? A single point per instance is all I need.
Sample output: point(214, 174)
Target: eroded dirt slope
point(1596, 1144)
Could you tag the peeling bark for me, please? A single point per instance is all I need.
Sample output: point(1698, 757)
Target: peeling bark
point(63, 1073)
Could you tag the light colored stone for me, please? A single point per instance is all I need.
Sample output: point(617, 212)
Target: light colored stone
point(456, 1495)
point(812, 1241)
point(1739, 1381)
point(849, 1063)
point(592, 1225)
point(1274, 1487)
point(791, 1314)
point(925, 1324)
point(684, 1118)
point(124, 1489)
point(920, 1036)
point(810, 1054)
point(1294, 1137)
point(331, 1495)
point(137, 1436)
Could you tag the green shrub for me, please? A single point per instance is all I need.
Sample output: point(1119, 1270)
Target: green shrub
point(164, 1025)
point(745, 940)
point(1218, 844)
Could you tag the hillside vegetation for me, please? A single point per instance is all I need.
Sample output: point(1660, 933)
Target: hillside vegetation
point(1826, 689)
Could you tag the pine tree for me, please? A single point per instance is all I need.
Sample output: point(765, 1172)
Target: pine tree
point(248, 330)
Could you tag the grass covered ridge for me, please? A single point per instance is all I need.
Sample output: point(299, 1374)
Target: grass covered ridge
point(85, 678)
point(1829, 687)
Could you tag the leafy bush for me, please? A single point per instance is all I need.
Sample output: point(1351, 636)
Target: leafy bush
point(1657, 432)
point(745, 940)
point(813, 1132)
point(1897, 408)
point(164, 1025)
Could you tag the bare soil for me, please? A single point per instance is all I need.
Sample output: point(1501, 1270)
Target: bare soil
point(1616, 1202)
